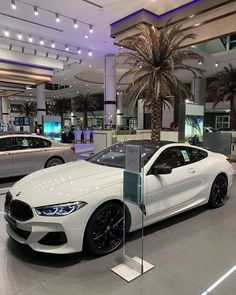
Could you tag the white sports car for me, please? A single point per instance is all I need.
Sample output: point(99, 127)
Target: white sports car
point(65, 208)
point(21, 154)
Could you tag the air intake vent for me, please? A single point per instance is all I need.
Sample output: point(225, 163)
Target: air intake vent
point(20, 210)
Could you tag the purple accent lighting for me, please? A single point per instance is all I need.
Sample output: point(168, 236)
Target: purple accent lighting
point(153, 14)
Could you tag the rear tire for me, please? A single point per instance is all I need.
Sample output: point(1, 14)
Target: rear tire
point(218, 193)
point(54, 161)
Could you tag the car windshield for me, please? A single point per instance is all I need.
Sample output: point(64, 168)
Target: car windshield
point(114, 156)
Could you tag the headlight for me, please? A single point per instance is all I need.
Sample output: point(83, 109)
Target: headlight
point(60, 209)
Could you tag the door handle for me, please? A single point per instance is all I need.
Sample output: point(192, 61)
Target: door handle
point(191, 171)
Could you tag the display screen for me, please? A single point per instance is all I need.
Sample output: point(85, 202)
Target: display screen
point(52, 130)
point(193, 126)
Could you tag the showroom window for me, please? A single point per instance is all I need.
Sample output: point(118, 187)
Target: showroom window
point(222, 122)
point(5, 144)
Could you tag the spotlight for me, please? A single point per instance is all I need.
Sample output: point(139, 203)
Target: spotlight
point(36, 11)
point(67, 48)
point(216, 64)
point(90, 29)
point(57, 17)
point(200, 63)
point(78, 50)
point(53, 45)
point(13, 4)
point(30, 39)
point(86, 36)
point(19, 36)
point(90, 53)
point(75, 24)
point(7, 33)
point(41, 42)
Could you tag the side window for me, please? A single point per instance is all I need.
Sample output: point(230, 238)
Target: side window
point(5, 144)
point(43, 143)
point(23, 143)
point(197, 155)
point(174, 157)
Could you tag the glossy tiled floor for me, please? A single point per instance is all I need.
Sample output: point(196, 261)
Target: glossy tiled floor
point(190, 252)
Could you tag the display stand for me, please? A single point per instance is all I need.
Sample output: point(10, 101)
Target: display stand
point(133, 267)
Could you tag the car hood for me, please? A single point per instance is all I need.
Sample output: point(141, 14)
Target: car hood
point(64, 183)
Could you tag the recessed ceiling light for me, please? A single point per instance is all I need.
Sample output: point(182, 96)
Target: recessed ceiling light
point(19, 36)
point(6, 33)
point(86, 36)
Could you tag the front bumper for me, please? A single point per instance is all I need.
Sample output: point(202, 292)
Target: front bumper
point(58, 235)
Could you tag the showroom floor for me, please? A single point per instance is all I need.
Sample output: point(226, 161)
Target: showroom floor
point(190, 253)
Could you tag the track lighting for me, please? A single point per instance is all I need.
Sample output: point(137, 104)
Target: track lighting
point(36, 11)
point(57, 17)
point(90, 29)
point(78, 50)
point(75, 24)
point(13, 4)
point(67, 48)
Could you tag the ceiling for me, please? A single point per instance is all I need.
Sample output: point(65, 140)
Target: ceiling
point(77, 67)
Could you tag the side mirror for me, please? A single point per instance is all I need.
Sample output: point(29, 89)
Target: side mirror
point(161, 169)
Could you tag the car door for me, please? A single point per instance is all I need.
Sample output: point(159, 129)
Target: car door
point(167, 193)
point(28, 155)
point(6, 168)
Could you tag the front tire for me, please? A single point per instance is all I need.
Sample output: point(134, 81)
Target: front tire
point(104, 232)
point(218, 192)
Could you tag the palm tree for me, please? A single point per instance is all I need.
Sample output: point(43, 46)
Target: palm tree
point(61, 106)
point(224, 88)
point(85, 103)
point(29, 109)
point(154, 59)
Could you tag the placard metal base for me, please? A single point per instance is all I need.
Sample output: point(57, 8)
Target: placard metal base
point(130, 269)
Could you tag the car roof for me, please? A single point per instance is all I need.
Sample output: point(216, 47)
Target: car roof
point(23, 134)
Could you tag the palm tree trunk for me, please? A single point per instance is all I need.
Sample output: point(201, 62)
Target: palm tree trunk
point(85, 120)
point(232, 115)
point(156, 118)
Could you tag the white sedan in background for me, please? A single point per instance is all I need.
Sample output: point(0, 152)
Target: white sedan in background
point(63, 209)
point(21, 154)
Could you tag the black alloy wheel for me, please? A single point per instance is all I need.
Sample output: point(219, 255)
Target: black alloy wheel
point(218, 192)
point(104, 233)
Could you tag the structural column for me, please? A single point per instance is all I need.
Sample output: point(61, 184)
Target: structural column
point(120, 109)
point(140, 114)
point(5, 110)
point(109, 91)
point(198, 89)
point(41, 105)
